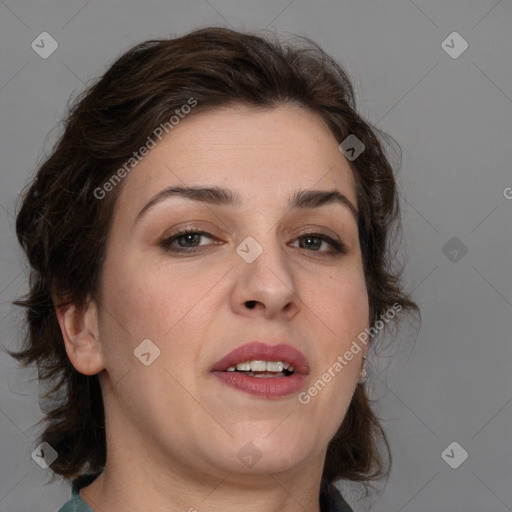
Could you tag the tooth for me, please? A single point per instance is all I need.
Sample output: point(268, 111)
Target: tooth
point(261, 366)
point(258, 366)
point(274, 366)
point(291, 368)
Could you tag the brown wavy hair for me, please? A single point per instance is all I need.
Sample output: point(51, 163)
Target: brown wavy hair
point(63, 227)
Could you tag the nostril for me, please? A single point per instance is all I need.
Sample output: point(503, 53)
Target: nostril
point(251, 304)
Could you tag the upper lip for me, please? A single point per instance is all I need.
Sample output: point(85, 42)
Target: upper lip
point(260, 351)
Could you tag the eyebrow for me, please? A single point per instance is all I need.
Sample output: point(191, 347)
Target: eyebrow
point(218, 196)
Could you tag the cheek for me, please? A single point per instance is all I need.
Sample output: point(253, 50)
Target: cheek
point(153, 302)
point(341, 300)
point(147, 299)
point(341, 313)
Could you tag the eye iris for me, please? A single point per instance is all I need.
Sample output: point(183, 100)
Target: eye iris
point(314, 245)
point(187, 237)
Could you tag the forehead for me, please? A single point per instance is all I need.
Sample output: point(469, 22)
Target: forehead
point(261, 153)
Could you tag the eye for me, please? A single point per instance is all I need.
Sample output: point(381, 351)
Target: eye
point(314, 241)
point(186, 239)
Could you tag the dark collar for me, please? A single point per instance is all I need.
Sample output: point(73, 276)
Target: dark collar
point(331, 500)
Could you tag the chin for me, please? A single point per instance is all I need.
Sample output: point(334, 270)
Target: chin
point(264, 454)
point(268, 464)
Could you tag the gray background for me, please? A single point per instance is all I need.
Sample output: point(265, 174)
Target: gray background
point(453, 120)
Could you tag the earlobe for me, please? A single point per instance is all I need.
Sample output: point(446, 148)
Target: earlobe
point(80, 329)
point(363, 375)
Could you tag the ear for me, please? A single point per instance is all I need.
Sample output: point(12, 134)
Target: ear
point(80, 330)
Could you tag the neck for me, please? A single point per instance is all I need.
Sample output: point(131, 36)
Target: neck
point(129, 488)
point(140, 474)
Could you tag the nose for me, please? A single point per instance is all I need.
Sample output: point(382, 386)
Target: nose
point(266, 287)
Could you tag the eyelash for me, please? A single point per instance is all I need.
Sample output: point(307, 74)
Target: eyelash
point(338, 245)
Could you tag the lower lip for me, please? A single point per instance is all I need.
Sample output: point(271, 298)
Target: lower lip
point(273, 387)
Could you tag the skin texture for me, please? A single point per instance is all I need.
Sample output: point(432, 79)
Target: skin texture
point(173, 429)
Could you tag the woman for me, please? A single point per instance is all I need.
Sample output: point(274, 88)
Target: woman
point(208, 243)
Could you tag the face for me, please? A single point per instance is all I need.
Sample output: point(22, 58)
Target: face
point(258, 269)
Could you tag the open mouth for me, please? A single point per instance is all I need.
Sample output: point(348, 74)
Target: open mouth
point(266, 371)
point(263, 369)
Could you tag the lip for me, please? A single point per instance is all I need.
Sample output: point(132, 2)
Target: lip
point(260, 351)
point(274, 387)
